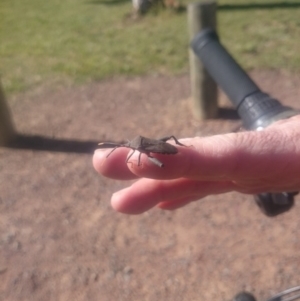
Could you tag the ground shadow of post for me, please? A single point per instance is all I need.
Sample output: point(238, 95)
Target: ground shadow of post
point(228, 114)
point(40, 143)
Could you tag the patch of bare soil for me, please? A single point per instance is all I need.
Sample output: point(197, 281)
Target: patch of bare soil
point(60, 240)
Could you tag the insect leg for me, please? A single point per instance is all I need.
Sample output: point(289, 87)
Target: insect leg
point(129, 156)
point(165, 139)
point(139, 160)
point(112, 151)
point(152, 159)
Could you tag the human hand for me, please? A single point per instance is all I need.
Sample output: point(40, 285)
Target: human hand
point(247, 162)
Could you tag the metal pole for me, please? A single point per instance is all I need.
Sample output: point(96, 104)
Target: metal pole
point(203, 88)
point(7, 131)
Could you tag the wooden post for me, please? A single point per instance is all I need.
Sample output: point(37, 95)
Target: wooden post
point(204, 89)
point(7, 132)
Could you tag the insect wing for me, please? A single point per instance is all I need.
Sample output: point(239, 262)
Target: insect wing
point(161, 148)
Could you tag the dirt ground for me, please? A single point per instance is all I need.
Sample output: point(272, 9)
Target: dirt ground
point(60, 240)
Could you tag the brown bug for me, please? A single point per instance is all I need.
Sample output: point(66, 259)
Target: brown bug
point(146, 146)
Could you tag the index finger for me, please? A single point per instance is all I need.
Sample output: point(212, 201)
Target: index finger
point(113, 166)
point(242, 156)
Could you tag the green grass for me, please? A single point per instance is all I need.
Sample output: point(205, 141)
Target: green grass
point(80, 40)
point(263, 37)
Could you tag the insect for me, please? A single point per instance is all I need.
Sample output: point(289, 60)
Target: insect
point(146, 146)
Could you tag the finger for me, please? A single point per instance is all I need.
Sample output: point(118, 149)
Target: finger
point(172, 205)
point(244, 155)
point(147, 193)
point(114, 166)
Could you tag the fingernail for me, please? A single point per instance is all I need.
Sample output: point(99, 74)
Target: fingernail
point(100, 152)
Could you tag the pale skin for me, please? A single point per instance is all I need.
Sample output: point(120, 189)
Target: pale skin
point(247, 162)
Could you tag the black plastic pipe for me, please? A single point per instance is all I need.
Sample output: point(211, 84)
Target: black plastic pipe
point(256, 108)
